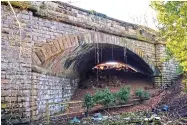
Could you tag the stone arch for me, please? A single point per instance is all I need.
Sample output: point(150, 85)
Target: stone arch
point(42, 53)
point(46, 54)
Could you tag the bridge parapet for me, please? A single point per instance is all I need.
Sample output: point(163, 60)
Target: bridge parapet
point(63, 12)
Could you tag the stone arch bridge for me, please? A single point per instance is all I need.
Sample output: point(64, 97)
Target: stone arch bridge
point(44, 59)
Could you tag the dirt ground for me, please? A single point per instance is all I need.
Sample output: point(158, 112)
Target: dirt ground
point(174, 96)
point(114, 83)
point(176, 99)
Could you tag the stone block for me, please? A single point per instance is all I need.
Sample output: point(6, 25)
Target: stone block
point(57, 46)
point(67, 41)
point(46, 49)
point(53, 48)
point(40, 54)
point(61, 43)
point(4, 81)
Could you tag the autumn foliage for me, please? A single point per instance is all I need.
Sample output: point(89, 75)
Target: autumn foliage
point(172, 18)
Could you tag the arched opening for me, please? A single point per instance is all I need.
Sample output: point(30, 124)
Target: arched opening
point(92, 65)
point(89, 55)
point(80, 61)
point(72, 69)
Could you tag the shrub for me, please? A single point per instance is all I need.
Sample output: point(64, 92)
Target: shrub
point(104, 97)
point(123, 95)
point(88, 102)
point(143, 95)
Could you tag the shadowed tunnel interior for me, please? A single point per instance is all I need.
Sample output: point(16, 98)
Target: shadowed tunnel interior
point(88, 55)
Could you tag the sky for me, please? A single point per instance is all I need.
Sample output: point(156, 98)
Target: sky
point(133, 11)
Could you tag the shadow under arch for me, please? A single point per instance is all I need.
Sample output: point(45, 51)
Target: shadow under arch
point(84, 57)
point(109, 52)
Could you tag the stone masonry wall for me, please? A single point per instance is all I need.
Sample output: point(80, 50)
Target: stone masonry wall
point(15, 67)
point(50, 89)
point(21, 97)
point(168, 69)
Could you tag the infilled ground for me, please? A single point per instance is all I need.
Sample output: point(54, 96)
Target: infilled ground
point(114, 81)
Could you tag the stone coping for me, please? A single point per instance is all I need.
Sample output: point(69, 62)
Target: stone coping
point(63, 12)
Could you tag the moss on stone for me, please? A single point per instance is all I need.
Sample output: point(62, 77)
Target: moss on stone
point(19, 4)
point(141, 37)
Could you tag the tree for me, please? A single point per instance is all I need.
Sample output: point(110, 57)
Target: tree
point(172, 18)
